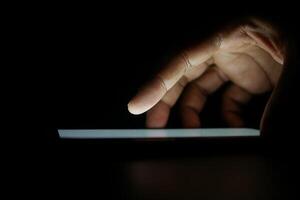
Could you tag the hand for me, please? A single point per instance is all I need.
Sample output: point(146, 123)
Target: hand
point(248, 55)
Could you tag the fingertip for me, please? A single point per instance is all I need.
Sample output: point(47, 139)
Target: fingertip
point(133, 109)
point(190, 118)
point(158, 116)
point(146, 98)
point(234, 120)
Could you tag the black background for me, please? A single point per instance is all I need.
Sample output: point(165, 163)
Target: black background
point(88, 64)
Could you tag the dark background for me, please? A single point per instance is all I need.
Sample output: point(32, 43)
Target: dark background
point(82, 64)
point(88, 64)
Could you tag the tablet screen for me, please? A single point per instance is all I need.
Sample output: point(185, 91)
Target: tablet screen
point(156, 133)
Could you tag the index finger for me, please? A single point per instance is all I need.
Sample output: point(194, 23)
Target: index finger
point(154, 91)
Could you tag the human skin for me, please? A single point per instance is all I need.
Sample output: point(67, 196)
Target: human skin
point(249, 55)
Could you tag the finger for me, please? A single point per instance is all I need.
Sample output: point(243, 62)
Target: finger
point(154, 91)
point(233, 99)
point(196, 94)
point(241, 75)
point(157, 116)
point(265, 38)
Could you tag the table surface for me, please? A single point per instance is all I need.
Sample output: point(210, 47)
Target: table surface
point(223, 169)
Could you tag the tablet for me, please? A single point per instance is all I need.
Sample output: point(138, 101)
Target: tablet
point(156, 133)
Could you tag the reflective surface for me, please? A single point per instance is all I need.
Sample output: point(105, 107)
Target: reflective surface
point(204, 175)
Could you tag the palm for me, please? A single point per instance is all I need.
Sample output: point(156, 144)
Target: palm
point(246, 59)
